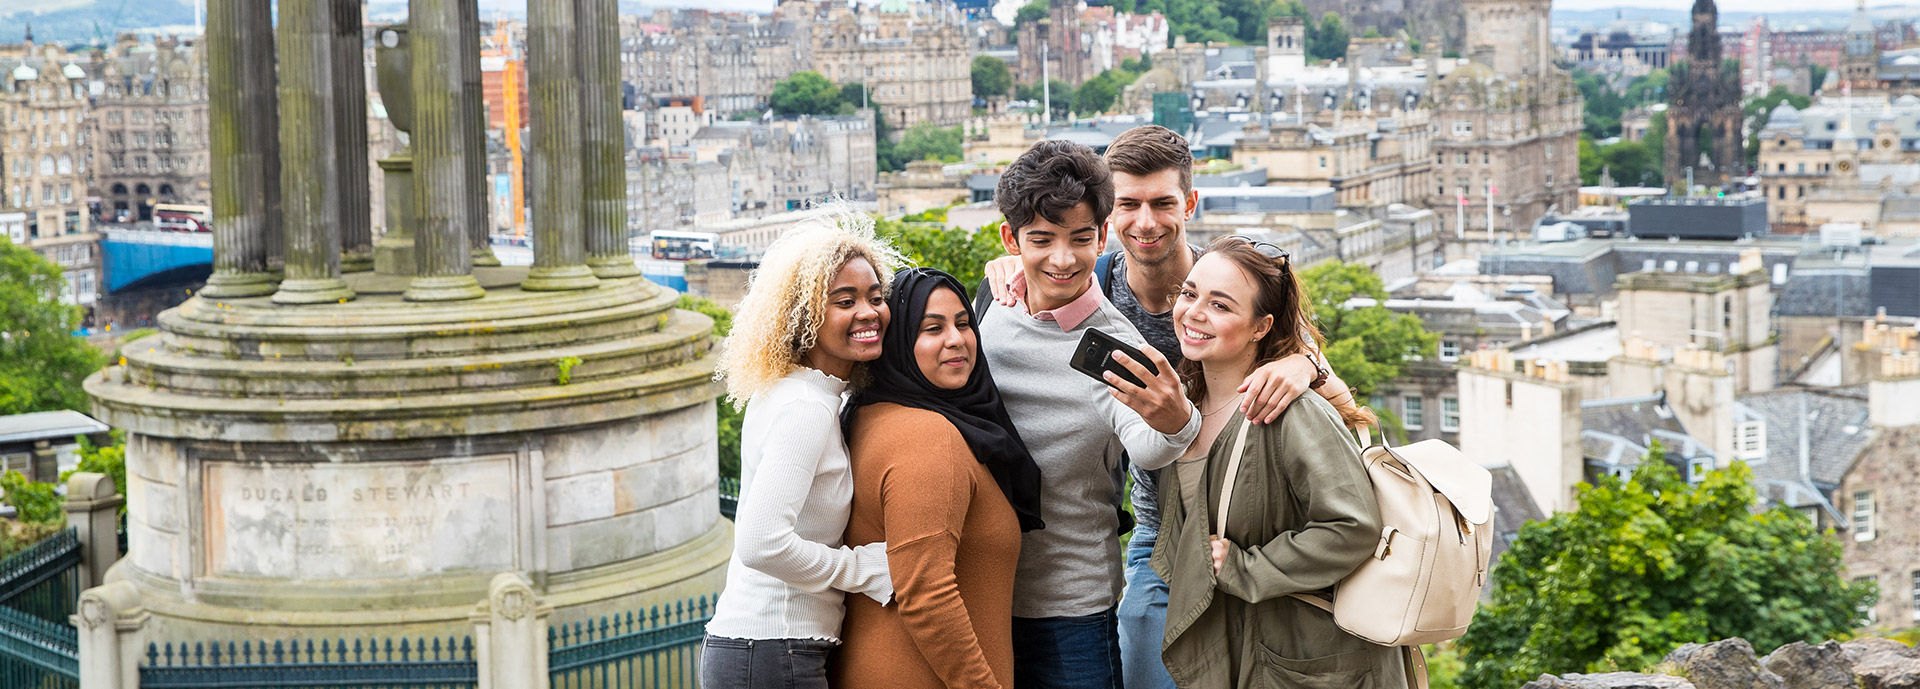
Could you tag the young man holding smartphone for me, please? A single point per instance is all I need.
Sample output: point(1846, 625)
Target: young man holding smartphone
point(1056, 198)
point(1152, 170)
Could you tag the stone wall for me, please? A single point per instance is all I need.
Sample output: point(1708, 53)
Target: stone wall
point(1888, 552)
point(1866, 663)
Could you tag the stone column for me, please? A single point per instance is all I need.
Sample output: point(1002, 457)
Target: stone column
point(240, 227)
point(110, 621)
point(603, 177)
point(559, 242)
point(350, 123)
point(93, 509)
point(393, 253)
point(510, 634)
point(480, 192)
point(309, 176)
point(263, 100)
point(442, 250)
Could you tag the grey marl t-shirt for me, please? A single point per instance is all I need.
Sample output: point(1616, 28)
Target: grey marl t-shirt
point(1157, 329)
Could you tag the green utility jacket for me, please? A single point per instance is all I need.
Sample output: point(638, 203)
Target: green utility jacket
point(1303, 517)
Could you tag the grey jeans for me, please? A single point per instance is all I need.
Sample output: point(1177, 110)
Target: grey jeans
point(729, 663)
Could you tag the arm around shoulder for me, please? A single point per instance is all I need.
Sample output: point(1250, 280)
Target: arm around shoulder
point(765, 539)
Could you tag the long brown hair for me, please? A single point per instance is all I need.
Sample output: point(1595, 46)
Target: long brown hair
point(1280, 295)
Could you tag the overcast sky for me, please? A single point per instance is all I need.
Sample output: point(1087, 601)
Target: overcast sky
point(1725, 5)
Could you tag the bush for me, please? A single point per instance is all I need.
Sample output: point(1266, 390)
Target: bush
point(110, 460)
point(32, 501)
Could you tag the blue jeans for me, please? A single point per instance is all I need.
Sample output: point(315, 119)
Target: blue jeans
point(1143, 618)
point(1066, 652)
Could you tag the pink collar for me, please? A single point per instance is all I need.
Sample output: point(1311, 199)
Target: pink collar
point(1074, 312)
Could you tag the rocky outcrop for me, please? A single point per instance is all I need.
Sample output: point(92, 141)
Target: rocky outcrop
point(1868, 663)
point(1724, 664)
point(1883, 663)
point(1806, 666)
point(1609, 680)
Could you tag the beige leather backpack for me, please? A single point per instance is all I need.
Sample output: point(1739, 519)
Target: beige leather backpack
point(1425, 576)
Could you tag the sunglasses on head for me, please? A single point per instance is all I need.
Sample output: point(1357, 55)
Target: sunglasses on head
point(1266, 248)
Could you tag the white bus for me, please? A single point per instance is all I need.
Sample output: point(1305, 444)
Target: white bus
point(180, 217)
point(681, 246)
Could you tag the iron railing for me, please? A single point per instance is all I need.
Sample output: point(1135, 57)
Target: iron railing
point(369, 664)
point(37, 653)
point(729, 497)
point(659, 648)
point(43, 580)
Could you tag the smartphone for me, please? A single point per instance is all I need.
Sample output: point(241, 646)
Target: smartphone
point(1094, 356)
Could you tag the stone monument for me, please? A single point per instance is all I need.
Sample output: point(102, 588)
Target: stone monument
point(348, 436)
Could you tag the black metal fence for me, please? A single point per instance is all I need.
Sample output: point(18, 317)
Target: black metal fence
point(659, 648)
point(729, 497)
point(36, 653)
point(365, 664)
point(43, 580)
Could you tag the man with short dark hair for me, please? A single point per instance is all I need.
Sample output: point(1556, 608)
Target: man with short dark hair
point(1152, 171)
point(1056, 198)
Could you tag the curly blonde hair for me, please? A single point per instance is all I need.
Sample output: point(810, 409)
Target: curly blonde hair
point(786, 300)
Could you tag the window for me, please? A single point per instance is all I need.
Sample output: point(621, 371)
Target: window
point(1915, 594)
point(1697, 468)
point(1323, 161)
point(1412, 417)
point(1647, 266)
point(1750, 441)
point(1549, 149)
point(1449, 350)
point(1462, 128)
point(1798, 168)
point(1462, 159)
point(1449, 413)
point(1863, 515)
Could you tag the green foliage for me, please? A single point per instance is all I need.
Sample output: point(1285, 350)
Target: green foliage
point(1656, 138)
point(110, 460)
point(16, 536)
point(32, 502)
point(1030, 13)
point(1629, 162)
point(806, 93)
point(1368, 345)
point(1605, 106)
point(722, 318)
point(41, 362)
point(1758, 111)
point(1062, 96)
point(1329, 41)
point(960, 253)
point(1443, 666)
point(1816, 75)
point(565, 365)
point(1648, 563)
point(1225, 21)
point(1097, 95)
point(991, 78)
point(925, 141)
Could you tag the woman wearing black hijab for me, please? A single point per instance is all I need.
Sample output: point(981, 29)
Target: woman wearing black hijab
point(939, 475)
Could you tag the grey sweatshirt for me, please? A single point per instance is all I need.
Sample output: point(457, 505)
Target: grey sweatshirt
point(1076, 432)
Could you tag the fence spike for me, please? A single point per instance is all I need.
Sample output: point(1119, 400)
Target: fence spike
point(403, 650)
point(436, 648)
point(199, 653)
point(356, 650)
point(679, 611)
point(310, 649)
point(279, 655)
point(603, 627)
point(153, 654)
point(389, 646)
point(466, 646)
point(656, 617)
point(630, 628)
point(213, 654)
point(231, 656)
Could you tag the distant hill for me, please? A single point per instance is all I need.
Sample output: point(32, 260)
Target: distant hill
point(74, 21)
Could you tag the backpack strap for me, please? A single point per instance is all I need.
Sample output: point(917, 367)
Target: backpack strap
point(1103, 272)
point(982, 298)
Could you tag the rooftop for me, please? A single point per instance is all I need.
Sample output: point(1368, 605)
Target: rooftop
point(47, 425)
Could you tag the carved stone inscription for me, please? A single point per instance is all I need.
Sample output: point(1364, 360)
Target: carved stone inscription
point(361, 520)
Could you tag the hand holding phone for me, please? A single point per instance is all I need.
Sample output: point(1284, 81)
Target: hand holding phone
point(1094, 357)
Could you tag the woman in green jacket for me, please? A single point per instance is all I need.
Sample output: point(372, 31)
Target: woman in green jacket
point(1302, 514)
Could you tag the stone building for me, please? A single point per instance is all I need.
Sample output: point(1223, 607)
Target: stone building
point(44, 162)
point(730, 60)
point(1370, 159)
point(1426, 395)
point(1880, 494)
point(1507, 123)
point(1841, 160)
point(148, 127)
point(912, 57)
point(790, 164)
point(1704, 102)
point(1068, 53)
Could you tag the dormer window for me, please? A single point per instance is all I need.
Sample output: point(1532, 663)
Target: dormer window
point(1750, 441)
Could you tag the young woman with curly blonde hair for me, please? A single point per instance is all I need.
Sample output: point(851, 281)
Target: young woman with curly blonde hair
point(815, 310)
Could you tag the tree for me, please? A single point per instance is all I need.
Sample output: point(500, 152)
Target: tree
point(1030, 13)
point(41, 363)
point(1096, 96)
point(1062, 95)
point(1647, 563)
point(1816, 76)
point(33, 502)
point(1656, 138)
point(925, 141)
point(805, 93)
point(1330, 41)
point(1366, 345)
point(961, 253)
point(991, 79)
point(1631, 163)
point(727, 423)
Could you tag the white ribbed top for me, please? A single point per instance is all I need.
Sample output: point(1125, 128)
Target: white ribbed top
point(789, 569)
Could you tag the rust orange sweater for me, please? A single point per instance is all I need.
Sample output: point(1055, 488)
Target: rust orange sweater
point(952, 545)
